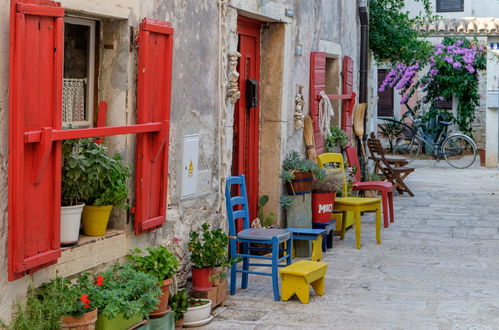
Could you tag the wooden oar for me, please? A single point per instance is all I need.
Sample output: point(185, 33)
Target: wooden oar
point(308, 135)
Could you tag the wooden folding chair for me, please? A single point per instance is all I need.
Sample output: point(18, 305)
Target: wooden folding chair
point(396, 175)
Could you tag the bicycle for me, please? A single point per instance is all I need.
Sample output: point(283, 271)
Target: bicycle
point(458, 150)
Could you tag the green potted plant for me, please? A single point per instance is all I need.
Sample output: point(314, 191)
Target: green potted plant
point(160, 263)
point(198, 312)
point(123, 295)
point(298, 173)
point(73, 191)
point(323, 195)
point(264, 221)
point(337, 140)
point(106, 177)
point(209, 249)
point(179, 302)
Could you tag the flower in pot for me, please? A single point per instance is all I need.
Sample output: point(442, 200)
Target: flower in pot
point(106, 177)
point(123, 295)
point(73, 191)
point(179, 302)
point(209, 249)
point(337, 140)
point(298, 173)
point(324, 190)
point(198, 312)
point(160, 263)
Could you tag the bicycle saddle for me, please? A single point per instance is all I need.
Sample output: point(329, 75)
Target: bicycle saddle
point(445, 123)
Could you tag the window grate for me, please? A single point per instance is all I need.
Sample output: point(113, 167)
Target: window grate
point(73, 100)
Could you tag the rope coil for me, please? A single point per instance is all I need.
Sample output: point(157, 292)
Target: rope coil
point(326, 111)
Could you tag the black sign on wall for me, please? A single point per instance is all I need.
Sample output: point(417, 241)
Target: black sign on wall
point(450, 5)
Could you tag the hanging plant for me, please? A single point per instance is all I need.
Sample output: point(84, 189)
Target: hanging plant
point(453, 70)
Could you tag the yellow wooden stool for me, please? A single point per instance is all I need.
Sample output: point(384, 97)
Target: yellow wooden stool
point(299, 275)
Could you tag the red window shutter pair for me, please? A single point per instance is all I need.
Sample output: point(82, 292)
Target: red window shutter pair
point(318, 84)
point(35, 101)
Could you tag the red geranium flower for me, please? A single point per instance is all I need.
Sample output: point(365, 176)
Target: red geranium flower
point(99, 280)
point(84, 299)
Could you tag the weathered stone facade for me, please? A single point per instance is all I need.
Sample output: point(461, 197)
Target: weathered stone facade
point(205, 35)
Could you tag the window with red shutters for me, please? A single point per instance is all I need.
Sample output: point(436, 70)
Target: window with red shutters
point(35, 131)
point(347, 107)
point(317, 84)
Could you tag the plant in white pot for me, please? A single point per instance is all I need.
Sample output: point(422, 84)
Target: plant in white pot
point(198, 312)
point(73, 191)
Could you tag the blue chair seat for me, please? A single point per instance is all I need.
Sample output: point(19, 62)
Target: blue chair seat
point(264, 234)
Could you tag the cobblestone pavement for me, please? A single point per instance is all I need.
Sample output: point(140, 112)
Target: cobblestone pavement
point(437, 266)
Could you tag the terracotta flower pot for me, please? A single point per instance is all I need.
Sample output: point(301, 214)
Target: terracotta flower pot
point(84, 322)
point(301, 184)
point(201, 279)
point(163, 308)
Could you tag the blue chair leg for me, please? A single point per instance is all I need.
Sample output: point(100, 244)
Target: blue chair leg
point(275, 268)
point(245, 249)
point(233, 269)
point(289, 251)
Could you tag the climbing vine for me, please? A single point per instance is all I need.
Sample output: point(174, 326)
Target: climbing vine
point(454, 67)
point(392, 37)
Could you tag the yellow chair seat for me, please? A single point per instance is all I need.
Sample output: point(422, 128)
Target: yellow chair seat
point(297, 277)
point(355, 200)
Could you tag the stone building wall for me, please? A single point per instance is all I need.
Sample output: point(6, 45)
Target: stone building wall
point(198, 100)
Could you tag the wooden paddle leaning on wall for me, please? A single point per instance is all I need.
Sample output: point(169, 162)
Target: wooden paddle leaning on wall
point(308, 135)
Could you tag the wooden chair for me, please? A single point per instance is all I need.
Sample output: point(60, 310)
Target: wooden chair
point(385, 187)
point(357, 205)
point(237, 209)
point(396, 175)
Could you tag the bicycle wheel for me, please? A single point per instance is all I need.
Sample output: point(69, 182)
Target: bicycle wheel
point(408, 148)
point(459, 151)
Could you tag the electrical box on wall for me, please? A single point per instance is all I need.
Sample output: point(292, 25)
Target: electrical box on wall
point(493, 99)
point(190, 156)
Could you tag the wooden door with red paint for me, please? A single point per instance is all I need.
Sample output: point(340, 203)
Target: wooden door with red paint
point(347, 107)
point(245, 158)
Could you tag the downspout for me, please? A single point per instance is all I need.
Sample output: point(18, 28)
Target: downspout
point(364, 56)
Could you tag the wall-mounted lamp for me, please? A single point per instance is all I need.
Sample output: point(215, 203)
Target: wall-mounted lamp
point(298, 50)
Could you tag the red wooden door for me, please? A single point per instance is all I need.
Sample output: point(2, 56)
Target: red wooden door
point(317, 84)
point(35, 103)
point(347, 107)
point(247, 120)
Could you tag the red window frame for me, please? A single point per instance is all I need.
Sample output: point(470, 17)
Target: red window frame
point(35, 133)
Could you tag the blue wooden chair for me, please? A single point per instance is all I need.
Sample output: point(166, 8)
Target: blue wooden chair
point(237, 209)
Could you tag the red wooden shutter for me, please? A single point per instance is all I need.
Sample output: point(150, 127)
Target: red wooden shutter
point(153, 105)
point(347, 107)
point(35, 103)
point(317, 84)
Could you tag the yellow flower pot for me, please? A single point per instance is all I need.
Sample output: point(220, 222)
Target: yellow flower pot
point(95, 219)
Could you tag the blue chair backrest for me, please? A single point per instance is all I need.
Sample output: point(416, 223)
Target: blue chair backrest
point(232, 183)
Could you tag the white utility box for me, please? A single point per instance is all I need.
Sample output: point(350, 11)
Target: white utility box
point(493, 99)
point(190, 156)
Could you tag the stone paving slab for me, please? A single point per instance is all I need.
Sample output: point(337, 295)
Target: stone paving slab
point(437, 266)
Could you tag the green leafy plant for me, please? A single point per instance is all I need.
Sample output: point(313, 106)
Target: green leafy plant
point(391, 130)
point(266, 220)
point(198, 302)
point(179, 302)
point(332, 182)
point(122, 290)
point(294, 163)
point(392, 37)
point(160, 262)
point(74, 168)
point(101, 177)
point(209, 248)
point(285, 201)
point(338, 138)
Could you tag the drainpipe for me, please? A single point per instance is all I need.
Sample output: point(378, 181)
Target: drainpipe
point(364, 54)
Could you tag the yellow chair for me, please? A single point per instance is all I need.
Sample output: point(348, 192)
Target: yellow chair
point(352, 204)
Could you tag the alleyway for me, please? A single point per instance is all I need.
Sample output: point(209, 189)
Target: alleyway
point(437, 267)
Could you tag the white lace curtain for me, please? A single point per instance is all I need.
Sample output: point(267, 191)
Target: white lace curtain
point(73, 100)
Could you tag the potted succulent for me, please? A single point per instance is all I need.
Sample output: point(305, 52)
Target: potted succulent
point(123, 295)
point(106, 177)
point(160, 263)
point(298, 173)
point(337, 140)
point(73, 191)
point(323, 195)
point(198, 312)
point(209, 249)
point(179, 302)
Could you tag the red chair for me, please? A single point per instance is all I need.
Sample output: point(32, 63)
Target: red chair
point(385, 187)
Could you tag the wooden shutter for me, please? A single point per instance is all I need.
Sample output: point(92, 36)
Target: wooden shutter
point(450, 5)
point(317, 84)
point(347, 88)
point(385, 98)
point(35, 103)
point(153, 105)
